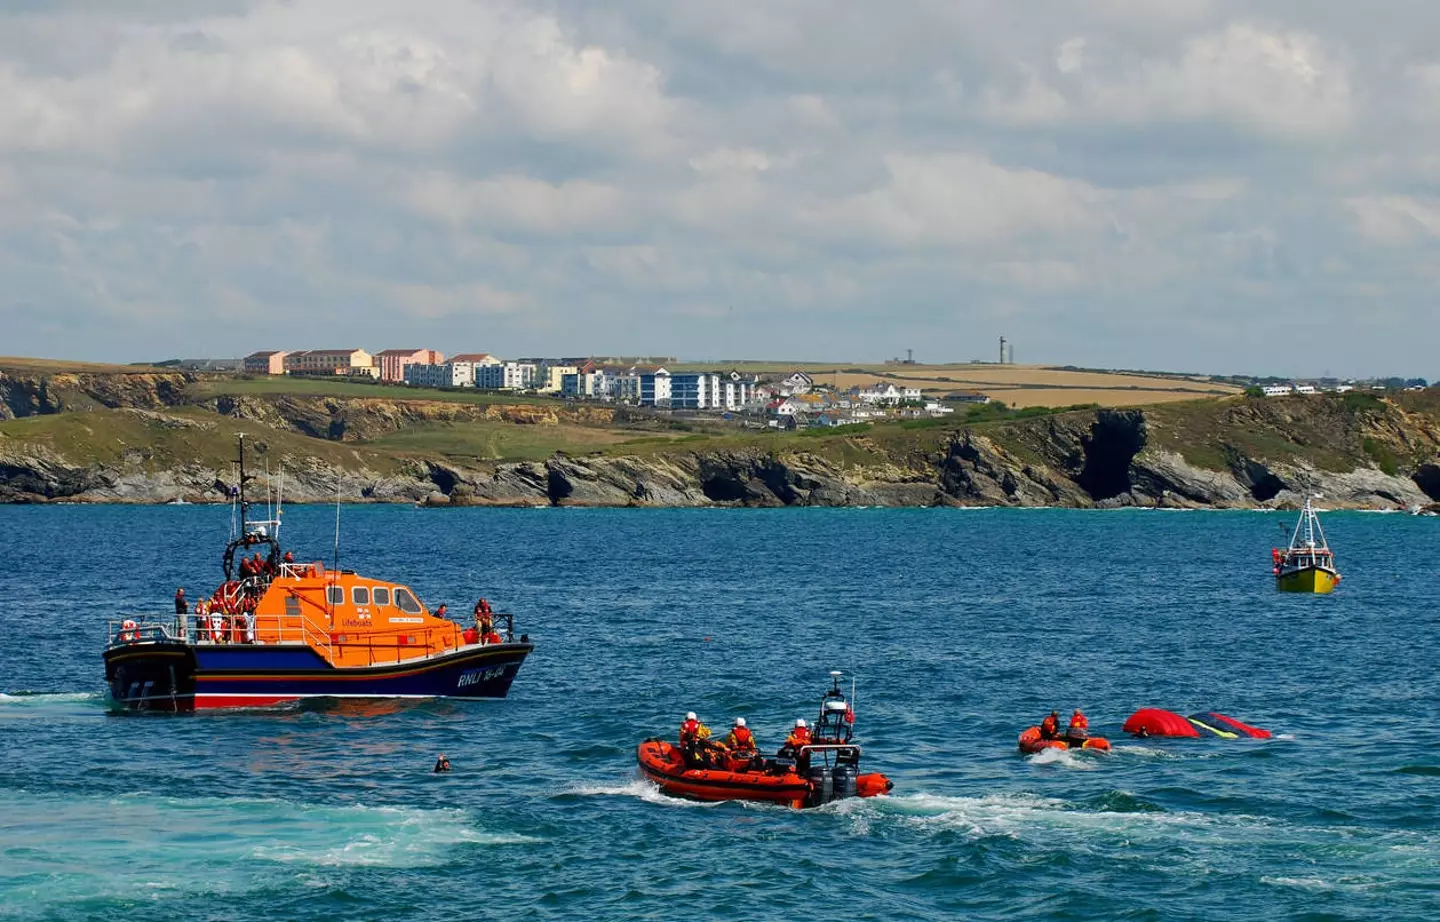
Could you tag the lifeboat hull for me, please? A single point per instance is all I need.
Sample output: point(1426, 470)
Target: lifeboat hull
point(1316, 580)
point(173, 676)
point(664, 764)
point(1031, 742)
point(1155, 722)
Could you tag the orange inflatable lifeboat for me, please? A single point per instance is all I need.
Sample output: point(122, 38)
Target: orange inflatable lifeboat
point(826, 769)
point(1032, 742)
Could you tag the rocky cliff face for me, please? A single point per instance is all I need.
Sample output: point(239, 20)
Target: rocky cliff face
point(38, 394)
point(1227, 454)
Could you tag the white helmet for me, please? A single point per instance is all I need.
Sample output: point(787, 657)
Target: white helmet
point(690, 715)
point(799, 721)
point(739, 721)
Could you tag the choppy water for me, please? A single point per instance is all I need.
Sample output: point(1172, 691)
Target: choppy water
point(964, 627)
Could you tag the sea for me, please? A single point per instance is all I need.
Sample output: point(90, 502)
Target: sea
point(958, 627)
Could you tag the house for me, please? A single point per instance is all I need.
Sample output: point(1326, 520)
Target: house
point(886, 394)
point(506, 376)
point(936, 408)
point(351, 362)
point(1304, 388)
point(449, 374)
point(392, 362)
point(265, 363)
point(783, 407)
point(1276, 390)
point(968, 397)
point(797, 383)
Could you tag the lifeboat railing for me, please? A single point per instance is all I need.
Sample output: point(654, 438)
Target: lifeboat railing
point(380, 646)
point(143, 629)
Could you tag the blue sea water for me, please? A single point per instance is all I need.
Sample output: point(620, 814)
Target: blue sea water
point(962, 626)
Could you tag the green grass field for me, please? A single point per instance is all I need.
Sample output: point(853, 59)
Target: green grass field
point(497, 441)
point(326, 387)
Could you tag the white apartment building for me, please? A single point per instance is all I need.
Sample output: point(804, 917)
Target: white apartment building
point(449, 374)
point(506, 376)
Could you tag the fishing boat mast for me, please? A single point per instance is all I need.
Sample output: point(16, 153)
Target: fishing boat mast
point(1309, 525)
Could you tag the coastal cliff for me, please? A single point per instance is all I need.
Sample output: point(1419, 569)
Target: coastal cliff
point(153, 438)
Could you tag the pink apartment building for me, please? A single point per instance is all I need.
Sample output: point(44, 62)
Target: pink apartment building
point(393, 361)
point(265, 363)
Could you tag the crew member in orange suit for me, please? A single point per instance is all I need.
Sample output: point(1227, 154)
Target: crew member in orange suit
point(1050, 726)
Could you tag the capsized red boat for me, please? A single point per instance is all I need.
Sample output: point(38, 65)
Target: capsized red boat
point(825, 770)
point(1148, 722)
point(1032, 741)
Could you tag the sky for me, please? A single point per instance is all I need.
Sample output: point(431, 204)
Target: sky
point(1191, 185)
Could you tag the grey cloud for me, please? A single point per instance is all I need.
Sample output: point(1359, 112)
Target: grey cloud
point(1199, 184)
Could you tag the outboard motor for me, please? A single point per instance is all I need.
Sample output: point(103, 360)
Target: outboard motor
point(822, 785)
point(844, 780)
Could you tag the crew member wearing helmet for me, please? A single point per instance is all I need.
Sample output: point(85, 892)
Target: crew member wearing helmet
point(689, 729)
point(800, 736)
point(740, 740)
point(1079, 725)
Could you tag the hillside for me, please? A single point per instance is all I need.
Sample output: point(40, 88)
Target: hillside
point(134, 435)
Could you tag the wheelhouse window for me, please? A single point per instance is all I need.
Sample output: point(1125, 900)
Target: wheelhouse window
point(335, 595)
point(381, 595)
point(360, 595)
point(406, 602)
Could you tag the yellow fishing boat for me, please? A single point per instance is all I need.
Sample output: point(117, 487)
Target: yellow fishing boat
point(1308, 564)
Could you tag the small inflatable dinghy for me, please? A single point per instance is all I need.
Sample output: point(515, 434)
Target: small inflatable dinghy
point(1031, 741)
point(826, 769)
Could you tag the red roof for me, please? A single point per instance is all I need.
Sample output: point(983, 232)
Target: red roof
point(471, 357)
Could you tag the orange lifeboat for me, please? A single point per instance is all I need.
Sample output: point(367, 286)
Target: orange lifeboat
point(278, 631)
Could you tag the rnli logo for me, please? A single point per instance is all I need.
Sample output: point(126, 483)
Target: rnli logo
point(477, 676)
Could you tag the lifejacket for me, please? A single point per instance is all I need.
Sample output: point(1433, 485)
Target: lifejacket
point(689, 730)
point(1049, 727)
point(741, 738)
point(798, 737)
point(1079, 721)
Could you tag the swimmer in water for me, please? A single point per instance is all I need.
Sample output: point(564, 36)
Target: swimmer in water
point(442, 764)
